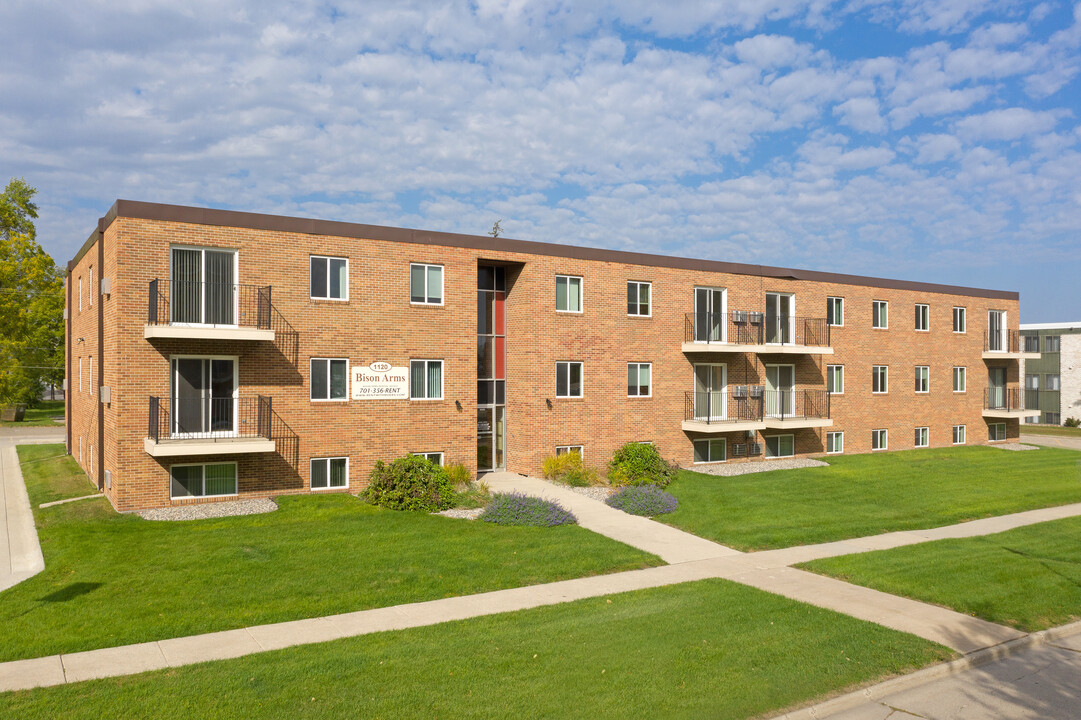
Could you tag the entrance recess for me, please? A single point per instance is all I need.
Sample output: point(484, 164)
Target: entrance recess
point(491, 368)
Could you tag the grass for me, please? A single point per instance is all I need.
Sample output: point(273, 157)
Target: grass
point(40, 416)
point(860, 495)
point(1028, 578)
point(1050, 430)
point(114, 579)
point(705, 649)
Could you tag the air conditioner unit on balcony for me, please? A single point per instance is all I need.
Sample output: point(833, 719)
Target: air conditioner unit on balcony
point(757, 391)
point(739, 391)
point(755, 318)
point(739, 449)
point(754, 448)
point(739, 316)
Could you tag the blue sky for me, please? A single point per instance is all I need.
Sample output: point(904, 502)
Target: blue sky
point(931, 140)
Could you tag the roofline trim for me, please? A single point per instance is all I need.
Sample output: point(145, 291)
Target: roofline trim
point(1051, 326)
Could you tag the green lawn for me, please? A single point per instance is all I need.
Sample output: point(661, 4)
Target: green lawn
point(115, 579)
point(40, 416)
point(1028, 578)
point(705, 649)
point(861, 495)
point(1050, 430)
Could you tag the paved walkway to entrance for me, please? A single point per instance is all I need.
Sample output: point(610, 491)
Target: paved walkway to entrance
point(20, 552)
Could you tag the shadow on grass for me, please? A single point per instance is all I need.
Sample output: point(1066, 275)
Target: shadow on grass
point(70, 592)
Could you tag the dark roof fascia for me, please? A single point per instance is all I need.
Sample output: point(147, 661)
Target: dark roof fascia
point(280, 223)
point(103, 225)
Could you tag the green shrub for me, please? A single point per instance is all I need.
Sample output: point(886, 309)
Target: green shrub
point(1072, 422)
point(518, 509)
point(569, 469)
point(459, 475)
point(474, 495)
point(640, 464)
point(647, 500)
point(410, 483)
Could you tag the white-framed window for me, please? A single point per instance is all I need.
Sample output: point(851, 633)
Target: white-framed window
point(564, 449)
point(425, 379)
point(91, 386)
point(996, 330)
point(328, 277)
point(880, 439)
point(80, 293)
point(90, 295)
point(778, 446)
point(923, 379)
point(996, 432)
point(710, 450)
point(835, 379)
point(202, 480)
point(923, 317)
point(639, 298)
point(835, 442)
point(568, 379)
point(960, 379)
point(330, 473)
point(568, 293)
point(330, 379)
point(1050, 382)
point(880, 379)
point(835, 311)
point(922, 437)
point(435, 458)
point(880, 314)
point(958, 434)
point(960, 321)
point(425, 284)
point(80, 374)
point(639, 379)
point(1052, 343)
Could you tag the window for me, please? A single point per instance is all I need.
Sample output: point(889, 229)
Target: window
point(564, 449)
point(80, 293)
point(425, 379)
point(80, 374)
point(780, 446)
point(996, 330)
point(923, 317)
point(880, 314)
point(436, 458)
point(91, 359)
point(569, 379)
point(329, 473)
point(958, 434)
point(329, 279)
point(922, 438)
point(996, 431)
point(835, 379)
point(960, 379)
point(1032, 382)
point(330, 379)
point(1050, 382)
point(638, 302)
point(1052, 418)
point(90, 295)
point(880, 379)
point(202, 480)
point(1032, 419)
point(880, 439)
point(568, 293)
point(959, 320)
point(710, 451)
point(835, 311)
point(638, 379)
point(425, 284)
point(1052, 343)
point(1032, 343)
point(923, 379)
point(835, 443)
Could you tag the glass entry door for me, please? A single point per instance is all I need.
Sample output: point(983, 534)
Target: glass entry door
point(710, 382)
point(780, 390)
point(203, 288)
point(204, 397)
point(491, 368)
point(708, 314)
point(996, 388)
point(779, 320)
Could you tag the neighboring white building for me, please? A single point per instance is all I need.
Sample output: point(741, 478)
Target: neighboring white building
point(1052, 383)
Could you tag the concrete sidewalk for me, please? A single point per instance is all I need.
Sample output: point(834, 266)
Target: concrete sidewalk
point(1059, 441)
point(20, 552)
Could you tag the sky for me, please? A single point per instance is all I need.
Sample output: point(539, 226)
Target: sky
point(933, 140)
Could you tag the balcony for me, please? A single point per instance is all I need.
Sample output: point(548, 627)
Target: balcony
point(211, 311)
point(1005, 403)
point(795, 409)
point(209, 426)
point(736, 409)
point(743, 331)
point(1005, 345)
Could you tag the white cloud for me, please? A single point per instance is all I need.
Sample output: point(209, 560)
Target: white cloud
point(1007, 124)
point(861, 114)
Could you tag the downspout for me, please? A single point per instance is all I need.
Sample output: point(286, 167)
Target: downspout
point(67, 358)
point(101, 356)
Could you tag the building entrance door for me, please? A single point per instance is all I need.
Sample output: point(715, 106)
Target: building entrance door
point(491, 368)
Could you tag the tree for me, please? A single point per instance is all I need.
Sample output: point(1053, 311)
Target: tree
point(31, 302)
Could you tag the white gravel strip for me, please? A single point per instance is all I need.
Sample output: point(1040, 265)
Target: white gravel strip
point(731, 469)
point(1015, 446)
point(204, 511)
point(599, 493)
point(461, 513)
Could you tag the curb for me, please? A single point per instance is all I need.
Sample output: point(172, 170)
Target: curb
point(854, 699)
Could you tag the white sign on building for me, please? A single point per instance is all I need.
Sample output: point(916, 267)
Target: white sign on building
point(380, 381)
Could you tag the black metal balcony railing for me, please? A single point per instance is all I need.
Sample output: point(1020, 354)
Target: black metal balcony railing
point(180, 302)
point(210, 418)
point(741, 327)
point(1004, 398)
point(796, 404)
point(737, 404)
point(1002, 341)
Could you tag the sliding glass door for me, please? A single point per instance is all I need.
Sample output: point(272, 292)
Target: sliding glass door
point(204, 401)
point(780, 390)
point(779, 320)
point(203, 287)
point(708, 314)
point(710, 382)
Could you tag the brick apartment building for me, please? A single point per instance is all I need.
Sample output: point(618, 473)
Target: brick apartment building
point(216, 354)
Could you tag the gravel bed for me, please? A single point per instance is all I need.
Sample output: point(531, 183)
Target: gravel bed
point(1015, 446)
point(211, 510)
point(594, 492)
point(461, 514)
point(731, 469)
